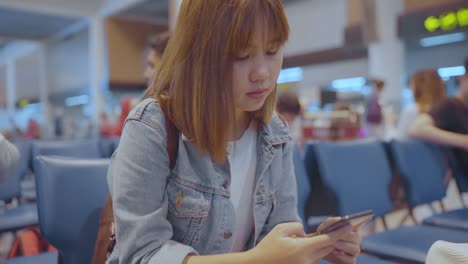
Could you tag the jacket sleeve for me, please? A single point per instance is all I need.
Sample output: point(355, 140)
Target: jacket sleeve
point(137, 180)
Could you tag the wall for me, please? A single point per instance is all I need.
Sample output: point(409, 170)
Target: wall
point(67, 67)
point(27, 76)
point(354, 12)
point(127, 40)
point(435, 57)
point(415, 5)
point(323, 74)
point(68, 64)
point(315, 25)
point(318, 25)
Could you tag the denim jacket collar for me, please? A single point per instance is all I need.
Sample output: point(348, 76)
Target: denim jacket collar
point(275, 132)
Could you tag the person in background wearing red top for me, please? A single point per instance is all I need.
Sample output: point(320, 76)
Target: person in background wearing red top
point(33, 131)
point(126, 106)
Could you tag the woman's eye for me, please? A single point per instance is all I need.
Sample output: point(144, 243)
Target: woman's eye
point(242, 57)
point(272, 52)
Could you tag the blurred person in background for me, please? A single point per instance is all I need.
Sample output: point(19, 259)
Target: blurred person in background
point(428, 90)
point(447, 123)
point(106, 128)
point(217, 86)
point(58, 122)
point(70, 127)
point(14, 132)
point(9, 156)
point(156, 47)
point(87, 127)
point(289, 108)
point(126, 105)
point(374, 114)
point(33, 130)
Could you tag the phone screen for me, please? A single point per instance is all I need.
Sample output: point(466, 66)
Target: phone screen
point(353, 220)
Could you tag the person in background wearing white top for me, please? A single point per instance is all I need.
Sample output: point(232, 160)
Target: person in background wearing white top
point(428, 90)
point(9, 156)
point(444, 252)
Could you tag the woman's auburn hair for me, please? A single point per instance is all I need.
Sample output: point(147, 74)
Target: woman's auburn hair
point(428, 89)
point(194, 84)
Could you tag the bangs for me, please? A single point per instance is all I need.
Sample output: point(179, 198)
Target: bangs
point(249, 15)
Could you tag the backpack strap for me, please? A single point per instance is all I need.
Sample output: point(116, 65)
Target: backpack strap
point(106, 240)
point(172, 146)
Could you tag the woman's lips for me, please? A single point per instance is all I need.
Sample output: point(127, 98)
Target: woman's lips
point(258, 93)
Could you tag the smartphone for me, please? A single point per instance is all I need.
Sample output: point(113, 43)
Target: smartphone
point(352, 219)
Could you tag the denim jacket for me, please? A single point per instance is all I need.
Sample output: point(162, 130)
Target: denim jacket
point(161, 216)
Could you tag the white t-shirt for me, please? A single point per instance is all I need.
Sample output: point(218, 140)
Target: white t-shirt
point(295, 129)
point(407, 117)
point(243, 164)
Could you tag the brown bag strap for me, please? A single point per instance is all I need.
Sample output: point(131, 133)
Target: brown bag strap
point(172, 146)
point(105, 241)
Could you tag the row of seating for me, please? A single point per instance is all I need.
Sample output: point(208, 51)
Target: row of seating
point(90, 149)
point(359, 174)
point(71, 193)
point(70, 196)
point(21, 185)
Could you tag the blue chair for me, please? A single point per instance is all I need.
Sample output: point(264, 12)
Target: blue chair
point(303, 183)
point(321, 200)
point(422, 168)
point(27, 185)
point(70, 195)
point(86, 149)
point(24, 215)
point(359, 174)
point(115, 143)
point(11, 187)
point(45, 258)
point(458, 174)
point(106, 147)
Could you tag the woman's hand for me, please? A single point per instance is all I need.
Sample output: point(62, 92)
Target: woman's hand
point(287, 244)
point(347, 248)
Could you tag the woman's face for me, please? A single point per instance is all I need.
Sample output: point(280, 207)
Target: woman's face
point(255, 72)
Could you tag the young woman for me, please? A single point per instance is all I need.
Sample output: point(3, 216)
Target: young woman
point(428, 90)
point(231, 196)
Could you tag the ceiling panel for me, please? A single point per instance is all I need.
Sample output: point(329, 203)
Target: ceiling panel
point(149, 9)
point(19, 24)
